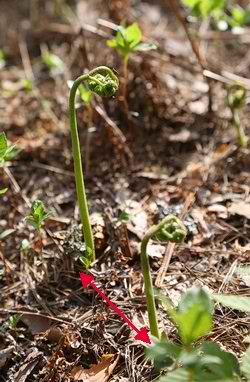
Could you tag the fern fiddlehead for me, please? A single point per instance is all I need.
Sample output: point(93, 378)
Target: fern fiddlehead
point(105, 83)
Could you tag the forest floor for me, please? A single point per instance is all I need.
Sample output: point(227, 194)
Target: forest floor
point(175, 156)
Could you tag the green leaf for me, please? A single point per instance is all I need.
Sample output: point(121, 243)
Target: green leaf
point(52, 61)
point(194, 315)
point(3, 191)
point(38, 215)
point(27, 85)
point(245, 366)
point(204, 8)
point(132, 35)
point(228, 366)
point(234, 302)
point(124, 216)
point(85, 94)
point(128, 40)
point(163, 353)
point(2, 58)
point(145, 47)
point(112, 43)
point(167, 304)
point(7, 152)
point(3, 144)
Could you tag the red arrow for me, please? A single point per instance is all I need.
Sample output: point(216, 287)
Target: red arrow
point(142, 334)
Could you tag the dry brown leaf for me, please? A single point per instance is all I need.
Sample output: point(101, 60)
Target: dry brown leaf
point(240, 208)
point(97, 373)
point(28, 365)
point(36, 323)
point(5, 354)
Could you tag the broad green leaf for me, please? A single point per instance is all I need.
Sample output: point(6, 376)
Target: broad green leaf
point(163, 353)
point(128, 40)
point(245, 366)
point(132, 35)
point(228, 366)
point(195, 296)
point(194, 315)
point(3, 191)
point(234, 302)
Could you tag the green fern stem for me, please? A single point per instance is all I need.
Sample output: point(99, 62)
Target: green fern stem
point(169, 229)
point(103, 82)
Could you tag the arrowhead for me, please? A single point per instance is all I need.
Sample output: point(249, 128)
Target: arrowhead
point(143, 336)
point(86, 279)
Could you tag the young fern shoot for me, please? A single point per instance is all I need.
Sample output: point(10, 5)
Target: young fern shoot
point(169, 229)
point(236, 100)
point(127, 41)
point(105, 83)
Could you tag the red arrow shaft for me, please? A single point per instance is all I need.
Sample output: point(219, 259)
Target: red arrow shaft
point(114, 307)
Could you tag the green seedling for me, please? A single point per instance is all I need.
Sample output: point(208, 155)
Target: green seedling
point(2, 59)
point(236, 100)
point(38, 215)
point(3, 191)
point(7, 151)
point(127, 41)
point(169, 229)
point(105, 83)
point(13, 321)
point(27, 85)
point(189, 360)
point(240, 17)
point(52, 61)
point(205, 8)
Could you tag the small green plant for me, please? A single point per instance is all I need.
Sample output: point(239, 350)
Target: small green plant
point(204, 8)
point(52, 61)
point(127, 41)
point(169, 229)
point(187, 360)
point(2, 58)
point(27, 85)
point(38, 215)
point(105, 83)
point(7, 151)
point(236, 100)
point(3, 191)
